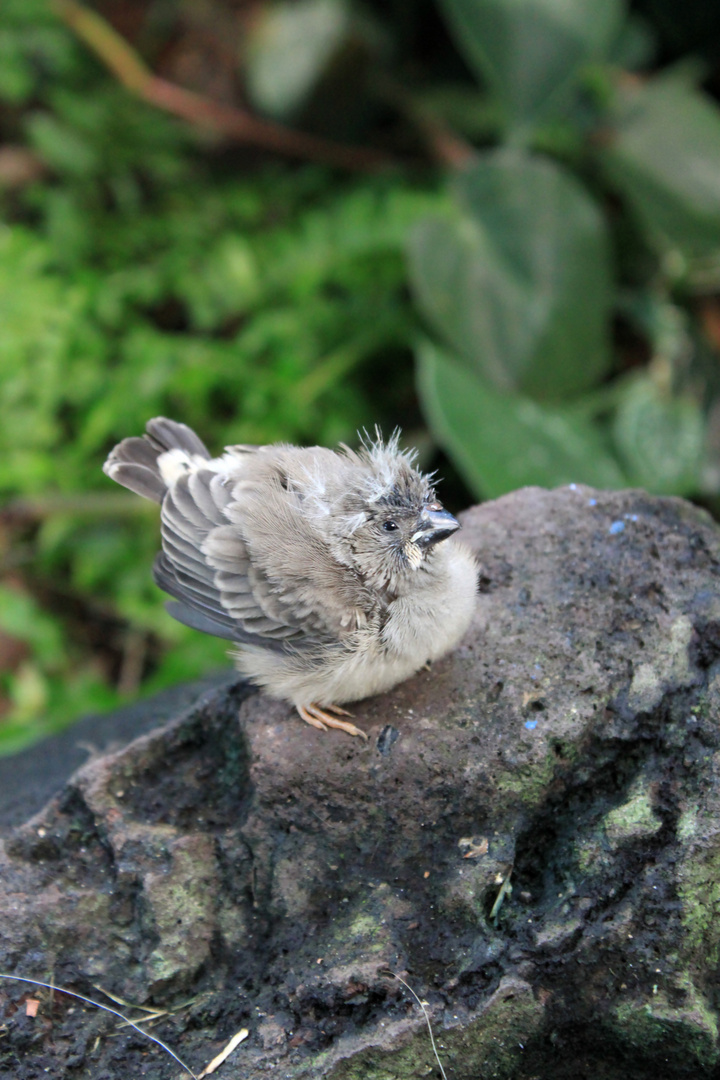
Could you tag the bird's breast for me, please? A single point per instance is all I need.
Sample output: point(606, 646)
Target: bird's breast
point(432, 614)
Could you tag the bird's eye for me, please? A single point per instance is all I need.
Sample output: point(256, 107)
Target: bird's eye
point(389, 526)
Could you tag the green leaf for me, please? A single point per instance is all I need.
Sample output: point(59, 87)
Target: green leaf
point(530, 51)
point(519, 283)
point(63, 148)
point(503, 441)
point(664, 157)
point(290, 49)
point(22, 617)
point(225, 284)
point(660, 438)
point(635, 45)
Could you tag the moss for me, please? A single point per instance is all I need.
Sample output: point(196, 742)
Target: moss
point(687, 823)
point(182, 905)
point(592, 854)
point(489, 1046)
point(528, 783)
point(680, 1035)
point(699, 890)
point(366, 933)
point(633, 820)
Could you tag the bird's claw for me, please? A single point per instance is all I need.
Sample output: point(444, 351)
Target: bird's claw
point(321, 718)
point(336, 710)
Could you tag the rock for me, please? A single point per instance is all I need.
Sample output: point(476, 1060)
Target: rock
point(30, 778)
point(530, 840)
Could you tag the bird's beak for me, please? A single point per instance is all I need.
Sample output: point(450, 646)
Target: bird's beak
point(434, 526)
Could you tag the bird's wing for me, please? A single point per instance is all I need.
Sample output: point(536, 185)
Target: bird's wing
point(134, 461)
point(246, 563)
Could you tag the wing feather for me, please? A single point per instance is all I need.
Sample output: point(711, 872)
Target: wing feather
point(210, 495)
point(206, 565)
point(241, 555)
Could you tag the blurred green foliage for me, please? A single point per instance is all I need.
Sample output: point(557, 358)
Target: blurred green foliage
point(140, 276)
point(519, 280)
point(564, 258)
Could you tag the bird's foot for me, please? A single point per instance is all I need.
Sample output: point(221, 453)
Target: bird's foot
point(321, 718)
point(336, 710)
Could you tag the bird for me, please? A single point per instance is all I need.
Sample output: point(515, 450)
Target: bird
point(330, 571)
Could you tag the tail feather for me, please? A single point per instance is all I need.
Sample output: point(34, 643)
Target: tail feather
point(134, 462)
point(138, 478)
point(171, 435)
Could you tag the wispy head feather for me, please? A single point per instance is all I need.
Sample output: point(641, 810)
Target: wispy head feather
point(343, 490)
point(391, 475)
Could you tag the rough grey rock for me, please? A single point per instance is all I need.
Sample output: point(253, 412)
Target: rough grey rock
point(530, 838)
point(30, 778)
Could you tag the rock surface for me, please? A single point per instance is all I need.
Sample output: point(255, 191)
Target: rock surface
point(530, 838)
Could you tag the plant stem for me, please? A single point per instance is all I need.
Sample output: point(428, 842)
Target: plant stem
point(232, 122)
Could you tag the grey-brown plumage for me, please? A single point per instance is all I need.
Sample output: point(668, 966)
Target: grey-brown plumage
point(328, 569)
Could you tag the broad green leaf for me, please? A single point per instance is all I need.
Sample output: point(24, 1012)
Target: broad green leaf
point(660, 438)
point(635, 46)
point(289, 50)
point(504, 441)
point(519, 282)
point(530, 51)
point(664, 157)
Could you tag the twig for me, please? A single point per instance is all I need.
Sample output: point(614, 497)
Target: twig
point(90, 503)
point(233, 122)
point(89, 1001)
point(152, 1013)
point(225, 1053)
point(505, 890)
point(118, 1000)
point(422, 1005)
point(132, 662)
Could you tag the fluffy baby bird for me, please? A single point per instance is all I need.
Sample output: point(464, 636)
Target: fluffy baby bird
point(327, 569)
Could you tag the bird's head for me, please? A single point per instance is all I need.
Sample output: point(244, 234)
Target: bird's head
point(390, 520)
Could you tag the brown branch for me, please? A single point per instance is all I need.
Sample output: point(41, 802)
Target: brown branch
point(243, 126)
point(447, 148)
point(88, 504)
point(233, 122)
point(106, 43)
